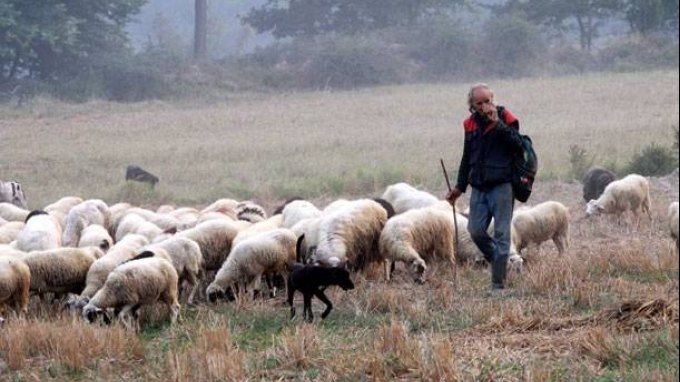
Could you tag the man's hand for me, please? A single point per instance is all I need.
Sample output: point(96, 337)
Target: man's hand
point(452, 195)
point(490, 112)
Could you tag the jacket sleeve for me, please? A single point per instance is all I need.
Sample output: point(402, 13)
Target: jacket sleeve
point(464, 168)
point(508, 126)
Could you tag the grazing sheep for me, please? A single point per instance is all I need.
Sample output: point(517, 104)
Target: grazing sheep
point(96, 235)
point(250, 212)
point(121, 252)
point(545, 221)
point(404, 197)
point(628, 194)
point(133, 223)
point(15, 282)
point(41, 232)
point(298, 210)
point(350, 235)
point(270, 224)
point(312, 280)
point(595, 181)
point(415, 236)
point(673, 223)
point(185, 256)
point(266, 253)
point(215, 238)
point(12, 213)
point(81, 216)
point(138, 174)
point(11, 192)
point(62, 270)
point(10, 231)
point(224, 206)
point(141, 281)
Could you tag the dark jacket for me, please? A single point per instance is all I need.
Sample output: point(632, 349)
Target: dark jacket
point(489, 151)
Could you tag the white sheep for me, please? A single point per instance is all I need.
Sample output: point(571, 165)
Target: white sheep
point(185, 256)
point(12, 192)
point(205, 216)
point(224, 206)
point(250, 212)
point(186, 216)
point(215, 238)
point(61, 208)
point(260, 255)
point(15, 282)
point(89, 212)
point(135, 283)
point(10, 231)
point(12, 213)
point(165, 208)
point(117, 212)
point(41, 232)
point(162, 221)
point(415, 236)
point(298, 210)
point(543, 222)
point(133, 223)
point(628, 194)
point(673, 223)
point(403, 197)
point(270, 224)
point(96, 235)
point(62, 270)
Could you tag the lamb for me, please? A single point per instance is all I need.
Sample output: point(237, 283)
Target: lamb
point(41, 232)
point(81, 216)
point(417, 235)
point(545, 221)
point(266, 253)
point(215, 238)
point(270, 224)
point(312, 280)
point(404, 197)
point(673, 223)
point(250, 212)
point(298, 210)
point(12, 213)
point(141, 281)
point(185, 256)
point(10, 231)
point(133, 223)
point(595, 181)
point(11, 192)
point(349, 236)
point(62, 270)
point(628, 194)
point(96, 235)
point(15, 281)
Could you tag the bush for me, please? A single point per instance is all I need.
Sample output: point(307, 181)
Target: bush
point(511, 47)
point(580, 161)
point(636, 52)
point(654, 160)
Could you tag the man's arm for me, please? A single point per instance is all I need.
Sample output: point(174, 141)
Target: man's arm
point(464, 168)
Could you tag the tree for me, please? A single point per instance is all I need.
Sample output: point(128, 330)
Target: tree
point(647, 16)
point(201, 29)
point(291, 18)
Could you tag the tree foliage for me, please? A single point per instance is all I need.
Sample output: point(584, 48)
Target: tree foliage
point(647, 16)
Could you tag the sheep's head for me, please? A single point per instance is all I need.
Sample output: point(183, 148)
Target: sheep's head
point(216, 292)
point(91, 312)
point(77, 303)
point(593, 208)
point(416, 268)
point(515, 262)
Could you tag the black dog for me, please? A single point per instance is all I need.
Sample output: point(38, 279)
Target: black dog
point(312, 280)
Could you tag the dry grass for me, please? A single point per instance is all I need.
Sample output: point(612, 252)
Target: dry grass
point(607, 310)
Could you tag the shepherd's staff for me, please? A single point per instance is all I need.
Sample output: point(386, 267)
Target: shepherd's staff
point(455, 222)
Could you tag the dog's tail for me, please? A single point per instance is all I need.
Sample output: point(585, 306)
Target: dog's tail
point(298, 248)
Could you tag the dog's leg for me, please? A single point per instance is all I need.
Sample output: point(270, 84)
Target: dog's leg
point(291, 294)
point(308, 307)
point(329, 306)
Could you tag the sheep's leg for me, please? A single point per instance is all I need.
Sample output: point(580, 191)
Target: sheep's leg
point(559, 243)
point(123, 316)
point(329, 306)
point(388, 273)
point(309, 316)
point(174, 312)
point(193, 282)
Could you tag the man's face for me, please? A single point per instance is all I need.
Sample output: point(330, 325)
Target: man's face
point(482, 101)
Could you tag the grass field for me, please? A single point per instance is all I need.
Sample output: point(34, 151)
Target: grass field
point(564, 320)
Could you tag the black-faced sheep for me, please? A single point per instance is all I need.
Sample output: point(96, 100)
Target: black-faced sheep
point(81, 216)
point(10, 231)
point(15, 281)
point(404, 197)
point(628, 194)
point(185, 256)
point(260, 255)
point(96, 235)
point(673, 223)
point(298, 210)
point(41, 232)
point(62, 270)
point(12, 213)
point(11, 192)
point(312, 280)
point(138, 282)
point(543, 222)
point(250, 212)
point(595, 181)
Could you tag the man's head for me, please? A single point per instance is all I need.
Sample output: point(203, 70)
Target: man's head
point(480, 100)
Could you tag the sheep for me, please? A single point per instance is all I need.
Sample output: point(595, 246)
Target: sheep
point(265, 253)
point(11, 192)
point(308, 231)
point(404, 197)
point(122, 251)
point(673, 223)
point(63, 205)
point(117, 212)
point(162, 221)
point(8, 250)
point(415, 236)
point(389, 209)
point(81, 216)
point(187, 217)
point(62, 270)
point(270, 224)
point(15, 282)
point(41, 232)
point(205, 216)
point(225, 206)
point(12, 213)
point(337, 205)
point(545, 221)
point(279, 209)
point(165, 208)
point(215, 238)
point(595, 181)
point(10, 231)
point(133, 223)
point(298, 210)
point(312, 280)
point(141, 281)
point(630, 193)
point(96, 235)
point(185, 256)
point(350, 235)
point(250, 212)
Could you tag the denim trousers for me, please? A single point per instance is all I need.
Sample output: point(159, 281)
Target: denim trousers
point(497, 203)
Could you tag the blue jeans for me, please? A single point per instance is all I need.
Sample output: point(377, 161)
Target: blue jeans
point(496, 203)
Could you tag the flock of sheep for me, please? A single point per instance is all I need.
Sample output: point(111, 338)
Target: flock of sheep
point(119, 258)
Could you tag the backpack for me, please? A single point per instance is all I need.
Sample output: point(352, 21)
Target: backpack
point(525, 167)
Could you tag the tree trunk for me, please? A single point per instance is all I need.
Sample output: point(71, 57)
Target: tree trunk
point(581, 32)
point(201, 29)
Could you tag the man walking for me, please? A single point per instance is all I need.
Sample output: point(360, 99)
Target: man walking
point(491, 142)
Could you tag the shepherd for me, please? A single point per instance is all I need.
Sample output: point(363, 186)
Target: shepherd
point(492, 141)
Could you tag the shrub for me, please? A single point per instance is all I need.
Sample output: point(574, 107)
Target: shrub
point(653, 160)
point(511, 47)
point(580, 161)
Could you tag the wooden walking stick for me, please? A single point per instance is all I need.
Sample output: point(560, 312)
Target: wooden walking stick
point(455, 221)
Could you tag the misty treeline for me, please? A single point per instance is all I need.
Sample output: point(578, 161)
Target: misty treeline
point(80, 49)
